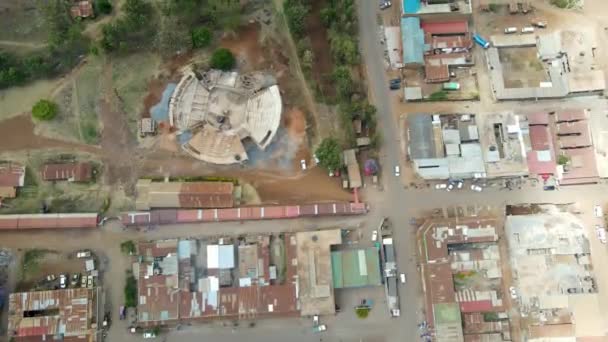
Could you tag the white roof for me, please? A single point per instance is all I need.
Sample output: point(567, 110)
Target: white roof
point(220, 256)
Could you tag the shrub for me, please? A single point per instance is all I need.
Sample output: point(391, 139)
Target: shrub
point(201, 37)
point(362, 312)
point(222, 59)
point(131, 291)
point(44, 110)
point(128, 247)
point(103, 6)
point(441, 95)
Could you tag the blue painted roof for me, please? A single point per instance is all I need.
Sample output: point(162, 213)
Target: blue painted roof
point(412, 38)
point(411, 6)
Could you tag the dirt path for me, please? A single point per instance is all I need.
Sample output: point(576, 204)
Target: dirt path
point(118, 144)
point(22, 44)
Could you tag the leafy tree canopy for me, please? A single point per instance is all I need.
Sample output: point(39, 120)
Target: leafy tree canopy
point(329, 153)
point(44, 110)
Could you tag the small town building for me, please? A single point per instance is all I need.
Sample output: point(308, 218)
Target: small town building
point(12, 176)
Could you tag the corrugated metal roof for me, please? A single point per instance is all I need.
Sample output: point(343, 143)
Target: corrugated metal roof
point(412, 40)
point(445, 27)
point(421, 139)
point(76, 172)
point(356, 268)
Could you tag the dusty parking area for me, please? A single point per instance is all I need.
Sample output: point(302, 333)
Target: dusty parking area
point(521, 67)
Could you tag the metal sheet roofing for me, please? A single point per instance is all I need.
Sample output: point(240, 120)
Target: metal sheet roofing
point(356, 268)
point(445, 27)
point(421, 138)
point(412, 40)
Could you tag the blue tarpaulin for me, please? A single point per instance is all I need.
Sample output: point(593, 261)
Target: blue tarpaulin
point(411, 6)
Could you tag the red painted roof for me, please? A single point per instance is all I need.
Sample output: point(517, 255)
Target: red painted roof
point(450, 27)
point(538, 119)
point(476, 306)
point(434, 74)
point(539, 138)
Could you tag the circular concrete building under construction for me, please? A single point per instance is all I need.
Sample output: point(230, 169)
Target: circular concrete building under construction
point(214, 111)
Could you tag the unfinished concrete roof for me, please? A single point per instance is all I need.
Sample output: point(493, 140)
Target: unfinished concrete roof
point(316, 295)
point(214, 111)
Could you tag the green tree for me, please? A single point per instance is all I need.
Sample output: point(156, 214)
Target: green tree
point(563, 159)
point(103, 6)
point(222, 59)
point(329, 153)
point(201, 37)
point(345, 86)
point(44, 110)
point(296, 13)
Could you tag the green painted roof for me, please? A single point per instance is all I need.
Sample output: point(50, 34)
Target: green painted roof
point(356, 268)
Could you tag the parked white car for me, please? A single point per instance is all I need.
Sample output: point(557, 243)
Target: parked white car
point(450, 187)
point(63, 281)
point(83, 254)
point(476, 187)
point(397, 171)
point(513, 292)
point(441, 186)
point(601, 233)
point(375, 235)
point(149, 334)
point(303, 164)
point(402, 277)
point(597, 210)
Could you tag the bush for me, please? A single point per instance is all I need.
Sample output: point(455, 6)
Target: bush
point(561, 3)
point(201, 37)
point(329, 153)
point(128, 247)
point(563, 159)
point(131, 292)
point(44, 110)
point(222, 59)
point(362, 312)
point(103, 6)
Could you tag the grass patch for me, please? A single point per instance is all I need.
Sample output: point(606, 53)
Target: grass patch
point(440, 95)
point(31, 261)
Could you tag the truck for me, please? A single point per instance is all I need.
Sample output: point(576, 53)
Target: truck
point(451, 86)
point(480, 41)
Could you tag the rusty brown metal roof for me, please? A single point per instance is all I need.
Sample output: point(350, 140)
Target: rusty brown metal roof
point(69, 313)
point(12, 174)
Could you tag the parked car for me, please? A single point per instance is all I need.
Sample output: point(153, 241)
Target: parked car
point(402, 277)
point(121, 312)
point(513, 292)
point(527, 29)
point(90, 281)
point(320, 328)
point(315, 320)
point(397, 171)
point(303, 164)
point(601, 233)
point(440, 186)
point(51, 277)
point(476, 187)
point(149, 334)
point(83, 254)
point(450, 187)
point(375, 235)
point(459, 184)
point(75, 279)
point(510, 30)
point(597, 210)
point(63, 281)
point(384, 4)
point(395, 84)
point(83, 282)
